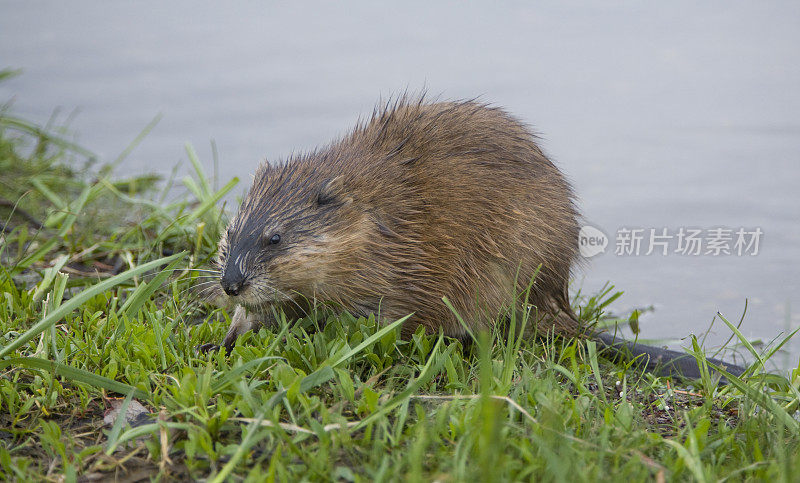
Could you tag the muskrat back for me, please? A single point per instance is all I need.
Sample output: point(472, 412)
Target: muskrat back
point(420, 202)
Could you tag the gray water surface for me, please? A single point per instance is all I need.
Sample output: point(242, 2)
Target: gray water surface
point(665, 116)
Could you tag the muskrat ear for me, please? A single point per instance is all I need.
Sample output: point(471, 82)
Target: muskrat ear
point(331, 191)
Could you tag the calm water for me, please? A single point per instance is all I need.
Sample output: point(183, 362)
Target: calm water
point(669, 116)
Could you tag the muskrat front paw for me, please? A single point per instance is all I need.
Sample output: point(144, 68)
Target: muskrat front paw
point(206, 348)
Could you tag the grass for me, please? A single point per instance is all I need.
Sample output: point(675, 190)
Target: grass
point(97, 315)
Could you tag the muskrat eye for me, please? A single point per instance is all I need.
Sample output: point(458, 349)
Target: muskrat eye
point(275, 239)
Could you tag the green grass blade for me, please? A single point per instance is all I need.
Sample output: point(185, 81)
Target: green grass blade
point(326, 373)
point(317, 378)
point(74, 209)
point(144, 291)
point(81, 298)
point(691, 462)
point(42, 188)
point(49, 276)
point(37, 255)
point(762, 399)
point(431, 368)
point(147, 429)
point(136, 141)
point(591, 346)
point(212, 201)
point(205, 188)
point(9, 73)
point(74, 374)
point(34, 130)
point(744, 342)
point(122, 411)
point(129, 199)
point(370, 340)
point(467, 328)
point(243, 448)
point(232, 376)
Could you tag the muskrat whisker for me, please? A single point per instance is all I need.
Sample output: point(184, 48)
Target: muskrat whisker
point(199, 288)
point(190, 270)
point(183, 273)
point(263, 289)
point(202, 285)
point(203, 293)
point(300, 307)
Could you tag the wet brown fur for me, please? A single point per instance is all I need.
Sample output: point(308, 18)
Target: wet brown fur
point(422, 201)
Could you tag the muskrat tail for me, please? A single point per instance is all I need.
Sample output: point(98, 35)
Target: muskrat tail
point(660, 361)
point(656, 360)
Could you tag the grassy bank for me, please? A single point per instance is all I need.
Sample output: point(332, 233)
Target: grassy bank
point(97, 316)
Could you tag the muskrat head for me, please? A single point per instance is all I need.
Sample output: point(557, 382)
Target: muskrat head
point(294, 232)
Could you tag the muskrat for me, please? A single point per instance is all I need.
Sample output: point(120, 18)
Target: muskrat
point(423, 201)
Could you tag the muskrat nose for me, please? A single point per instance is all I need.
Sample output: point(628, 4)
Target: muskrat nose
point(232, 288)
point(232, 284)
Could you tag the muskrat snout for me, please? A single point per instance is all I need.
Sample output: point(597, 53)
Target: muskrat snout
point(232, 281)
